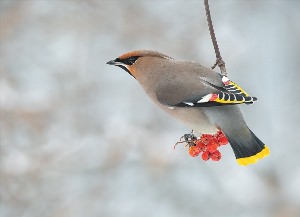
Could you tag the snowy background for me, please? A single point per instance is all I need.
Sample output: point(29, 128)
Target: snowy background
point(79, 138)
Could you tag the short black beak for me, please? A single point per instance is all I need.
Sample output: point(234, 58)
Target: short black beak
point(112, 62)
point(118, 63)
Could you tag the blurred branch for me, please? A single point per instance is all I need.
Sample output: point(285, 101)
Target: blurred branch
point(219, 60)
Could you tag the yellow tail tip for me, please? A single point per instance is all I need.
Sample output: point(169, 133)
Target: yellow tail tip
point(251, 160)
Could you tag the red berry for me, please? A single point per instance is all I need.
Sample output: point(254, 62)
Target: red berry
point(216, 156)
point(218, 134)
point(205, 138)
point(194, 151)
point(201, 145)
point(223, 140)
point(212, 145)
point(205, 155)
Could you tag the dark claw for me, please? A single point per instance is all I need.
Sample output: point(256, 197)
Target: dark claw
point(189, 138)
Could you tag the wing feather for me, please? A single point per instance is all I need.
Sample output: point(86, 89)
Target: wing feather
point(203, 88)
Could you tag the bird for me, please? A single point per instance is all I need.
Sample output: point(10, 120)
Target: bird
point(200, 97)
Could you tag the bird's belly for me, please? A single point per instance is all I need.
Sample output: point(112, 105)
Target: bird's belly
point(194, 118)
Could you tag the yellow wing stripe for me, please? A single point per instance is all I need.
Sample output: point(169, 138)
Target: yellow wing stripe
point(252, 159)
point(238, 88)
point(228, 101)
point(231, 98)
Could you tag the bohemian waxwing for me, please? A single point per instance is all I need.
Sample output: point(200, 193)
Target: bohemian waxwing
point(201, 98)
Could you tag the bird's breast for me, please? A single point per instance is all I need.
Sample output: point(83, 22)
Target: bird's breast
point(195, 118)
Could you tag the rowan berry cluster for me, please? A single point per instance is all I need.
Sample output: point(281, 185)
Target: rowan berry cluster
point(208, 145)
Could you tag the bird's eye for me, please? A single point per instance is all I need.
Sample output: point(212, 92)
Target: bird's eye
point(130, 60)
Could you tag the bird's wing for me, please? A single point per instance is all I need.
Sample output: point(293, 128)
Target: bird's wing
point(201, 91)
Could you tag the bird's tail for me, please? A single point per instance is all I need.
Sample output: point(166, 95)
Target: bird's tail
point(247, 149)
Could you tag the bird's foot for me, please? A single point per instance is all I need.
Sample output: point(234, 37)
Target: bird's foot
point(189, 139)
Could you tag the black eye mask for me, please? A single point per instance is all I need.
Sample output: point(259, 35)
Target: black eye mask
point(129, 61)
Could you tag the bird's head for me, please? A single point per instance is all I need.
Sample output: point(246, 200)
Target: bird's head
point(133, 61)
